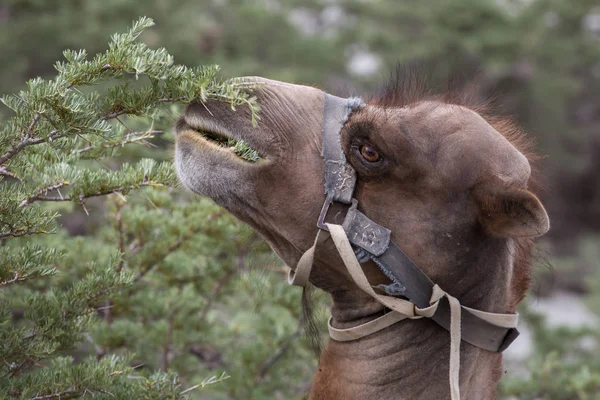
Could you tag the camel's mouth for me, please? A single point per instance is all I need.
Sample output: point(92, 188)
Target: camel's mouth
point(215, 138)
point(239, 148)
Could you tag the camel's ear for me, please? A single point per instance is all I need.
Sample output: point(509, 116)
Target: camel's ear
point(508, 211)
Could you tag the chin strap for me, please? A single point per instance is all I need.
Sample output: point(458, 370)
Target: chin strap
point(400, 309)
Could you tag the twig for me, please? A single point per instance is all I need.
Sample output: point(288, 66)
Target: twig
point(27, 134)
point(206, 108)
point(6, 172)
point(167, 347)
point(55, 134)
point(55, 395)
point(116, 114)
point(100, 352)
point(269, 362)
point(16, 278)
point(42, 193)
point(169, 250)
point(212, 380)
point(137, 137)
point(119, 219)
point(121, 243)
point(171, 99)
point(19, 233)
point(218, 287)
point(102, 193)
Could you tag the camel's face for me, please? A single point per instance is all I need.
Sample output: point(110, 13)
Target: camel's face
point(279, 195)
point(432, 173)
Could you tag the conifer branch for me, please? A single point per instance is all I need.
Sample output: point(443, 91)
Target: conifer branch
point(27, 141)
point(119, 220)
point(281, 350)
point(19, 233)
point(16, 278)
point(42, 193)
point(29, 132)
point(6, 172)
point(121, 243)
point(70, 394)
point(168, 339)
point(85, 125)
point(55, 134)
point(116, 114)
point(210, 381)
point(133, 137)
point(221, 283)
point(65, 394)
point(116, 190)
point(171, 249)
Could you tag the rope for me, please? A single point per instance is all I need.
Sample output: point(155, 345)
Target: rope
point(400, 309)
point(299, 276)
point(405, 308)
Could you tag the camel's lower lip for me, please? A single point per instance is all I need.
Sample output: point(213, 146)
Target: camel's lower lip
point(238, 147)
point(222, 140)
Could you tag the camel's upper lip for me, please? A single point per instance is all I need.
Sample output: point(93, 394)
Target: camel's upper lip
point(219, 139)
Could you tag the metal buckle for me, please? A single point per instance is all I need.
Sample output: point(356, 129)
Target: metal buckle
point(321, 220)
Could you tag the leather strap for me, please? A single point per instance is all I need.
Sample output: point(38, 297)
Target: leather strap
point(479, 330)
point(340, 177)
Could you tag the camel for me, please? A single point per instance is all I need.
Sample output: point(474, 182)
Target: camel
point(450, 183)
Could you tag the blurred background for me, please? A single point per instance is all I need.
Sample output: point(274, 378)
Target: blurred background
point(538, 59)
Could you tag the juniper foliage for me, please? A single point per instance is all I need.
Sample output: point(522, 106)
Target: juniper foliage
point(56, 153)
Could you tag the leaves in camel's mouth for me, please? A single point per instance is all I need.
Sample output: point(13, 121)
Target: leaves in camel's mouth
point(239, 147)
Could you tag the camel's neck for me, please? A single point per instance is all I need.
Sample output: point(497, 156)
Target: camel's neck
point(410, 359)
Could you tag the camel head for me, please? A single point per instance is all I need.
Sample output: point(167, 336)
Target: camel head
point(451, 185)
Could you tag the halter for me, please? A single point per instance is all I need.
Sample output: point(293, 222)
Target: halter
point(358, 239)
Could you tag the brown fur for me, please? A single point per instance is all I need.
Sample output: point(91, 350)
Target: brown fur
point(409, 85)
point(452, 185)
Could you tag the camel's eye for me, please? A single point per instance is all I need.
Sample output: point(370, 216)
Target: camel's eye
point(369, 153)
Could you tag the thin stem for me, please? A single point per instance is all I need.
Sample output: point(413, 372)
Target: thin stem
point(221, 283)
point(26, 141)
point(100, 352)
point(135, 137)
point(6, 172)
point(167, 347)
point(19, 233)
point(16, 278)
point(269, 362)
point(102, 193)
point(119, 220)
point(118, 113)
point(175, 246)
point(169, 250)
point(42, 193)
point(29, 131)
point(69, 392)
